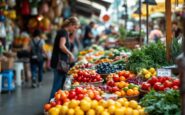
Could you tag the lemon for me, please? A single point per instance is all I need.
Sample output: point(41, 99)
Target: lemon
point(94, 104)
point(152, 70)
point(79, 112)
point(128, 111)
point(144, 71)
point(73, 103)
point(111, 109)
point(91, 112)
point(54, 111)
point(63, 110)
point(126, 104)
point(117, 104)
point(71, 112)
point(135, 112)
point(105, 113)
point(85, 105)
point(110, 102)
point(99, 109)
point(133, 104)
point(103, 103)
point(141, 111)
point(147, 76)
point(120, 111)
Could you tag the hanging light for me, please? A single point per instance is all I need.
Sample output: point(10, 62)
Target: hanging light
point(150, 2)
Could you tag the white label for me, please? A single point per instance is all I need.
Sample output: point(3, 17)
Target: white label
point(164, 72)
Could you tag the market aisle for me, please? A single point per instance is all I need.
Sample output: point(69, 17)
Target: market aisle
point(26, 100)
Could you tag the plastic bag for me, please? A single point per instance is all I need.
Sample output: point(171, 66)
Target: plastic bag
point(67, 83)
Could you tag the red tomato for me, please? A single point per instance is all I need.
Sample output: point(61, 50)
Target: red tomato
point(162, 79)
point(145, 86)
point(115, 88)
point(78, 90)
point(126, 74)
point(176, 82)
point(153, 80)
point(58, 102)
point(71, 95)
point(47, 107)
point(161, 87)
point(53, 104)
point(175, 87)
point(157, 85)
point(168, 84)
point(80, 97)
point(116, 78)
point(98, 97)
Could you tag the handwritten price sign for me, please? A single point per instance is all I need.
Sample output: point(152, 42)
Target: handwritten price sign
point(164, 72)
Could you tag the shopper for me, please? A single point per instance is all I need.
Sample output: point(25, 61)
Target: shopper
point(176, 31)
point(61, 51)
point(155, 35)
point(88, 36)
point(37, 58)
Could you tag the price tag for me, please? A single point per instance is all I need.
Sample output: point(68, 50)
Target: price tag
point(164, 72)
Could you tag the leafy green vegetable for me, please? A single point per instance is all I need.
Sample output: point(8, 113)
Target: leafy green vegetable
point(176, 49)
point(162, 103)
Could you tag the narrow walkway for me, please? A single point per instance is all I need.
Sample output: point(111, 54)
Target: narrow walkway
point(26, 100)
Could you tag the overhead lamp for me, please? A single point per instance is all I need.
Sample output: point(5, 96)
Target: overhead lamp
point(150, 2)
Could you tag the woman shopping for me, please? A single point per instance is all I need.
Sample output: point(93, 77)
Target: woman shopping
point(61, 53)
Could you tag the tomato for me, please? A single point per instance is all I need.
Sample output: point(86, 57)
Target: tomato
point(157, 85)
point(145, 86)
point(116, 78)
point(80, 96)
point(162, 79)
point(153, 80)
point(58, 102)
point(176, 82)
point(111, 83)
point(57, 96)
point(71, 95)
point(126, 74)
point(168, 84)
point(98, 97)
point(47, 107)
point(53, 104)
point(175, 87)
point(115, 88)
point(78, 90)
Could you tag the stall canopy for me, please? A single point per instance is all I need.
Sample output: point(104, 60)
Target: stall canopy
point(88, 7)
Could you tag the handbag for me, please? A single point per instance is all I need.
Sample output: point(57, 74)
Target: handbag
point(63, 66)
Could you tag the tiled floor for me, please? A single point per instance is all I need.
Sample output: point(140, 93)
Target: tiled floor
point(26, 100)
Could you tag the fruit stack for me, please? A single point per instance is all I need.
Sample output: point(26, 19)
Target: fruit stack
point(92, 107)
point(147, 74)
point(161, 84)
point(87, 76)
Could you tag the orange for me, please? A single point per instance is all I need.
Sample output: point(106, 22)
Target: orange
point(63, 110)
point(122, 78)
point(47, 107)
point(54, 111)
point(128, 111)
point(85, 105)
point(118, 93)
point(121, 84)
point(130, 92)
point(136, 92)
point(133, 104)
point(122, 93)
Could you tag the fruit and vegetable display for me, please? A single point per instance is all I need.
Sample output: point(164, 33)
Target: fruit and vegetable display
point(107, 68)
point(146, 74)
point(161, 84)
point(87, 106)
point(87, 76)
point(115, 81)
point(162, 103)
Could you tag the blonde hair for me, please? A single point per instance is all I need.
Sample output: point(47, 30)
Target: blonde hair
point(70, 21)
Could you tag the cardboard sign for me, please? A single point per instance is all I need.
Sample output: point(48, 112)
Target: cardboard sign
point(164, 72)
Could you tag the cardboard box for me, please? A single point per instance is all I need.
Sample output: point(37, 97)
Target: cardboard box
point(7, 63)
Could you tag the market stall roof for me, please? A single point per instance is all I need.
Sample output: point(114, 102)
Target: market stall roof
point(103, 3)
point(84, 8)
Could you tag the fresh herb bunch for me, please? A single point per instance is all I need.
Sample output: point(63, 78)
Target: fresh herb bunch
point(162, 103)
point(156, 51)
point(139, 60)
point(176, 49)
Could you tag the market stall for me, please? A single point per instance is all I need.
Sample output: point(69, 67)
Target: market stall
point(118, 81)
